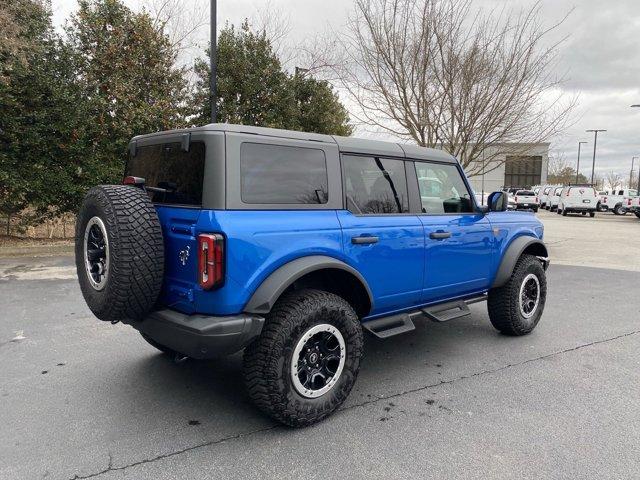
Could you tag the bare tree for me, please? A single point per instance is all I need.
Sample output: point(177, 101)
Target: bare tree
point(444, 74)
point(558, 163)
point(181, 23)
point(613, 179)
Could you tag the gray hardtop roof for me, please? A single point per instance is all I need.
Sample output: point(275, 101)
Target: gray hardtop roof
point(345, 144)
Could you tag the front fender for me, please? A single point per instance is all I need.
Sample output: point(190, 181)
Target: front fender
point(271, 288)
point(513, 253)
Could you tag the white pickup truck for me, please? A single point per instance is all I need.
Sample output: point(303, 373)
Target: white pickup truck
point(526, 200)
point(633, 205)
point(616, 200)
point(578, 199)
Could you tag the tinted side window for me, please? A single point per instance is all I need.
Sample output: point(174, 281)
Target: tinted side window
point(375, 185)
point(442, 189)
point(277, 174)
point(175, 176)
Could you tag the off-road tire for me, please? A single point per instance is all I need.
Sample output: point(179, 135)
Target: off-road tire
point(267, 359)
point(136, 252)
point(158, 346)
point(503, 302)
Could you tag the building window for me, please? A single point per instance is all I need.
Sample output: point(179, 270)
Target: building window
point(523, 171)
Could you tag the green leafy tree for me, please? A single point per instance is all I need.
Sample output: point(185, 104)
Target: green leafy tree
point(40, 117)
point(131, 84)
point(254, 89)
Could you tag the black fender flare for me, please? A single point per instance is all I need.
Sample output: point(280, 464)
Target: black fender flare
point(278, 281)
point(511, 256)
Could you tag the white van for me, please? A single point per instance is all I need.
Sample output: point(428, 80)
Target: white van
point(553, 198)
point(578, 199)
point(544, 195)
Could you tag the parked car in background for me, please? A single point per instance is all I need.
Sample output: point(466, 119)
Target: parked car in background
point(633, 205)
point(544, 195)
point(526, 200)
point(553, 198)
point(482, 198)
point(578, 199)
point(616, 200)
point(599, 206)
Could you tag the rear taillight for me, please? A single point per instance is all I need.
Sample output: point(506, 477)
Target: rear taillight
point(516, 199)
point(210, 260)
point(135, 181)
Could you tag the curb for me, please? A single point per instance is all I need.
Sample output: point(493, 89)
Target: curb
point(36, 251)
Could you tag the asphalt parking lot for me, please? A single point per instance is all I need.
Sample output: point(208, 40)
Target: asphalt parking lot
point(84, 399)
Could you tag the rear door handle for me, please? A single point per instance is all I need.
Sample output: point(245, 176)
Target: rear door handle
point(439, 235)
point(364, 240)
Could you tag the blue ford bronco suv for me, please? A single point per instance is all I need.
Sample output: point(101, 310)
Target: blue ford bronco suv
point(289, 245)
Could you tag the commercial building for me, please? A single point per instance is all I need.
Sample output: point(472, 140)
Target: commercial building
point(517, 165)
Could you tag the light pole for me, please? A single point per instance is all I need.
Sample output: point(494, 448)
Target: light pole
point(578, 165)
point(638, 186)
point(633, 159)
point(595, 143)
point(213, 60)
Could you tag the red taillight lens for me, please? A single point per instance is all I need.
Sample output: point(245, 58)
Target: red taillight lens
point(133, 181)
point(210, 260)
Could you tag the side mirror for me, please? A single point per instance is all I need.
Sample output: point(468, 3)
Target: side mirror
point(498, 202)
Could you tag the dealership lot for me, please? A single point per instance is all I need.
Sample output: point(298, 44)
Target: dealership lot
point(83, 399)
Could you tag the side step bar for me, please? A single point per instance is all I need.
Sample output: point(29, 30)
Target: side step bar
point(447, 311)
point(389, 326)
point(386, 327)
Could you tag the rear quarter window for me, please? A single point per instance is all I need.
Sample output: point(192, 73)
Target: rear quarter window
point(278, 174)
point(174, 177)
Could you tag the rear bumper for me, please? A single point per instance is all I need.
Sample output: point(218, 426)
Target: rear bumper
point(200, 336)
point(580, 208)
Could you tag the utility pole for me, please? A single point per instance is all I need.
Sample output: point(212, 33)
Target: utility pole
point(213, 61)
point(633, 159)
point(578, 165)
point(595, 143)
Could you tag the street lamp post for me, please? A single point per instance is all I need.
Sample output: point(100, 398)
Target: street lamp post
point(635, 106)
point(633, 159)
point(213, 61)
point(595, 143)
point(578, 165)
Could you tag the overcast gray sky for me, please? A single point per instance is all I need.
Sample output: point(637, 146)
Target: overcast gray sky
point(601, 59)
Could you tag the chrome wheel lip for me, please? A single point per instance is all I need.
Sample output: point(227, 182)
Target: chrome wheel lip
point(100, 285)
point(295, 379)
point(527, 303)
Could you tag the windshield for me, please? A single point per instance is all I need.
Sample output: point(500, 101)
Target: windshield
point(525, 193)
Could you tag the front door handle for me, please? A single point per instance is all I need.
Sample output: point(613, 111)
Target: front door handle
point(439, 235)
point(364, 240)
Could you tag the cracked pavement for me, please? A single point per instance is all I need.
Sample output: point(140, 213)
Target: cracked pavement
point(84, 399)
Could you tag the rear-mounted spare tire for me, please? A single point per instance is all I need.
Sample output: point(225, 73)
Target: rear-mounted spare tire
point(119, 252)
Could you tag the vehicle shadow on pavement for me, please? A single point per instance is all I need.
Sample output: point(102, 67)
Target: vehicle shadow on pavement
point(208, 391)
